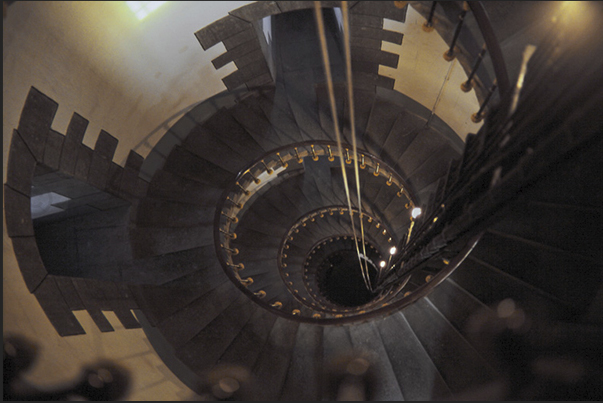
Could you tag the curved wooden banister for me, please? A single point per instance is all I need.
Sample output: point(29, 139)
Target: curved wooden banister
point(500, 68)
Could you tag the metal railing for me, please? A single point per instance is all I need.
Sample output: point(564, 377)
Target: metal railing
point(490, 47)
point(256, 178)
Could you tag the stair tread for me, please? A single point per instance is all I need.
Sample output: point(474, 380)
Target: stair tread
point(170, 186)
point(570, 229)
point(226, 126)
point(303, 381)
point(325, 115)
point(252, 219)
point(169, 267)
point(337, 343)
point(363, 103)
point(432, 168)
point(247, 345)
point(459, 307)
point(211, 270)
point(207, 145)
point(257, 126)
point(310, 184)
point(167, 213)
point(155, 241)
point(302, 101)
point(183, 325)
point(423, 146)
point(250, 237)
point(292, 189)
point(448, 349)
point(566, 185)
point(281, 117)
point(491, 285)
point(188, 165)
point(381, 120)
point(256, 254)
point(153, 300)
point(417, 376)
point(274, 359)
point(321, 175)
point(265, 268)
point(365, 338)
point(283, 205)
point(402, 133)
point(567, 277)
point(205, 348)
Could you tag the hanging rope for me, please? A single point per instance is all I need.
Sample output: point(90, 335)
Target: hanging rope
point(329, 79)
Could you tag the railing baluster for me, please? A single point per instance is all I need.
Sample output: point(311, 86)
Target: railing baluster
point(234, 251)
point(232, 219)
point(314, 156)
point(228, 234)
point(376, 173)
point(247, 192)
point(237, 267)
point(269, 170)
point(237, 205)
point(247, 282)
point(428, 25)
point(330, 158)
point(479, 115)
point(256, 180)
point(466, 86)
point(449, 54)
point(283, 163)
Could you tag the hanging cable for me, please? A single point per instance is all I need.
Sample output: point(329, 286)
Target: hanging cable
point(348, 64)
point(329, 79)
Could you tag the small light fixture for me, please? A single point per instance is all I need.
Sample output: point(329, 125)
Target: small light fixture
point(393, 250)
point(416, 212)
point(382, 264)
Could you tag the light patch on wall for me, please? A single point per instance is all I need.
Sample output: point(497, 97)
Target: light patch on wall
point(424, 75)
point(339, 17)
point(43, 205)
point(267, 28)
point(143, 8)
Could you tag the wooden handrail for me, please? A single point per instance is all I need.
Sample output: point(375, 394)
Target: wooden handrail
point(498, 61)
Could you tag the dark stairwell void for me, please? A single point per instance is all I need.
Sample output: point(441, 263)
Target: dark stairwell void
point(342, 281)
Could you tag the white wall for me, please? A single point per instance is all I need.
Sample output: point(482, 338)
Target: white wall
point(126, 77)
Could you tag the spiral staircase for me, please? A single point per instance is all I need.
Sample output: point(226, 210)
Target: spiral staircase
point(256, 291)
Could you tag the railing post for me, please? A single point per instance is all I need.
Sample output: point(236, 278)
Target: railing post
point(428, 25)
point(479, 115)
point(467, 86)
point(449, 54)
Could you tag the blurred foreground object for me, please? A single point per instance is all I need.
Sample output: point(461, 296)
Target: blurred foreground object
point(101, 381)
